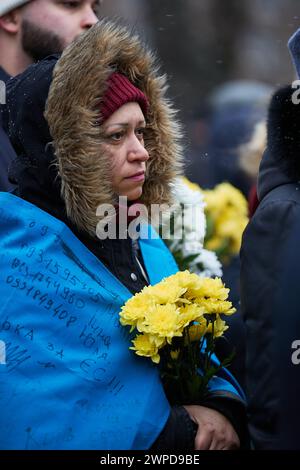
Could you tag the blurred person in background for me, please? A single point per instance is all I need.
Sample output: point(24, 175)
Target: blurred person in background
point(236, 108)
point(29, 31)
point(197, 164)
point(250, 157)
point(220, 127)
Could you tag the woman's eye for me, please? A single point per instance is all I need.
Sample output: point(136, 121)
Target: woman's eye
point(140, 133)
point(116, 137)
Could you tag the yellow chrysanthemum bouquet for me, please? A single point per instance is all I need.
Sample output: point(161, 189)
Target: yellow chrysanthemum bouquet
point(227, 216)
point(177, 322)
point(226, 212)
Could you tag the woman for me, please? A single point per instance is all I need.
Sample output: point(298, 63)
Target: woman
point(73, 383)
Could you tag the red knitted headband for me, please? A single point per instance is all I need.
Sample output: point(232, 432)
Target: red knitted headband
point(120, 91)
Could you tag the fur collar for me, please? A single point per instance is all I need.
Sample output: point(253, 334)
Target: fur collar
point(72, 112)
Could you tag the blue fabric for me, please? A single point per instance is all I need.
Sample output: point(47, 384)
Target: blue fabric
point(225, 382)
point(70, 381)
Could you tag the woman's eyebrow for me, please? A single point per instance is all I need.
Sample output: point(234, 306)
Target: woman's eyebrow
point(126, 124)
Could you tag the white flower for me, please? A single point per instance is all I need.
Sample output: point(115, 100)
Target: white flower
point(209, 264)
point(191, 247)
point(190, 229)
point(188, 212)
point(185, 195)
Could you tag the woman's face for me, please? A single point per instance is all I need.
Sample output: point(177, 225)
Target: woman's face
point(124, 144)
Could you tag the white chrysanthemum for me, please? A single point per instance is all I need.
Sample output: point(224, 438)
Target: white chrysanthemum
point(189, 217)
point(207, 264)
point(190, 230)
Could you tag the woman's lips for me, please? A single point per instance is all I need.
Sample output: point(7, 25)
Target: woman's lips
point(137, 177)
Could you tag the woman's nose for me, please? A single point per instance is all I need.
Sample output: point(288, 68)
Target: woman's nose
point(137, 150)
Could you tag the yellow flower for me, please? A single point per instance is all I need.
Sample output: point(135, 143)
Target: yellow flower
point(225, 195)
point(219, 327)
point(134, 309)
point(166, 291)
point(163, 321)
point(197, 330)
point(192, 283)
point(179, 303)
point(184, 279)
point(213, 288)
point(192, 186)
point(231, 225)
point(206, 287)
point(190, 313)
point(146, 345)
point(174, 354)
point(213, 306)
point(227, 209)
point(214, 243)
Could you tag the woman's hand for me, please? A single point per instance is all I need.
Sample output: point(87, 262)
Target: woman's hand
point(215, 432)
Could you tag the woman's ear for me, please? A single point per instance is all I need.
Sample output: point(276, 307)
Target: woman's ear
point(11, 22)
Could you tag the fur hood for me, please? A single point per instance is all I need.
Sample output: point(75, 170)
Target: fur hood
point(72, 112)
point(281, 161)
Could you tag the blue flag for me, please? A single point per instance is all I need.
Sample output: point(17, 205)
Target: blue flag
point(69, 380)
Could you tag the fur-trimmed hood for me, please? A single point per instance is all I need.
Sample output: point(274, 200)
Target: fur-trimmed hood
point(72, 112)
point(281, 161)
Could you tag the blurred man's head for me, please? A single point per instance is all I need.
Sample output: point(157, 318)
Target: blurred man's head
point(43, 27)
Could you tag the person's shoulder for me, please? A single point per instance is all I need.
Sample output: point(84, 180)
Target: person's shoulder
point(274, 219)
point(280, 200)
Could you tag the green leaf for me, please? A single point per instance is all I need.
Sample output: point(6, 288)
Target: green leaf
point(210, 226)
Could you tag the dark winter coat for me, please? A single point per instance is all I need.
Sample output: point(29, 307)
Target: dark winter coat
point(269, 237)
point(287, 347)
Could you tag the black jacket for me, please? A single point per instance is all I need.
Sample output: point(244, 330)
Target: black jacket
point(268, 238)
point(7, 153)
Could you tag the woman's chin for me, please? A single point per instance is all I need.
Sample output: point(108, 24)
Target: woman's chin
point(134, 194)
